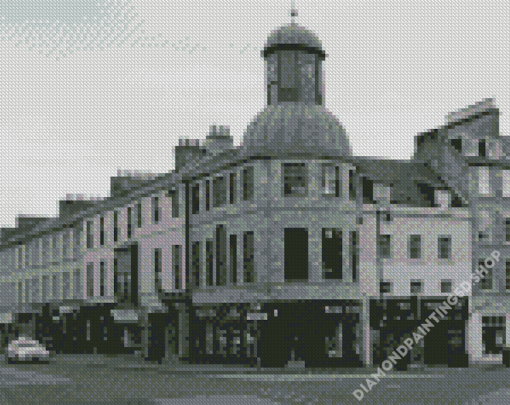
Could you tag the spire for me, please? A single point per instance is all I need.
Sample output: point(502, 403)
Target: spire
point(293, 12)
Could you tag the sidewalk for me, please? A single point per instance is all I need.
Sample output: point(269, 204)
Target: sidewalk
point(133, 362)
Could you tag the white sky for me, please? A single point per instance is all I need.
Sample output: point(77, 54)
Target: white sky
point(87, 90)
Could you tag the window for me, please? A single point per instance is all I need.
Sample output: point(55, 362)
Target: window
point(195, 199)
point(55, 289)
point(484, 229)
point(248, 257)
point(116, 281)
point(332, 254)
point(102, 276)
point(129, 222)
point(444, 247)
point(90, 279)
point(139, 214)
point(219, 192)
point(483, 181)
point(155, 210)
point(446, 286)
point(221, 255)
point(507, 274)
point(296, 253)
point(233, 259)
point(115, 226)
point(493, 334)
point(506, 183)
point(416, 287)
point(295, 180)
point(368, 191)
point(157, 271)
point(385, 287)
point(482, 146)
point(354, 254)
point(385, 246)
point(457, 144)
point(288, 90)
point(507, 229)
point(352, 189)
point(415, 247)
point(90, 236)
point(45, 288)
point(176, 262)
point(175, 203)
point(101, 231)
point(207, 195)
point(331, 180)
point(486, 276)
point(232, 188)
point(209, 262)
point(66, 285)
point(195, 263)
point(248, 186)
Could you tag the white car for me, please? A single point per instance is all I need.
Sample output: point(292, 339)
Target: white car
point(25, 349)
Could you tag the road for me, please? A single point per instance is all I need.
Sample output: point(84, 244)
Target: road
point(90, 379)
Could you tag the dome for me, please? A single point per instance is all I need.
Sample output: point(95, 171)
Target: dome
point(296, 128)
point(293, 36)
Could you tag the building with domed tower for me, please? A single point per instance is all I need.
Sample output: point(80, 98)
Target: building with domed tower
point(284, 250)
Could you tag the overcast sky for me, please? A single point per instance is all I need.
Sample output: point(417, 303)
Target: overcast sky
point(86, 90)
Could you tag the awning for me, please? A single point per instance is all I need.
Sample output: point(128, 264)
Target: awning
point(124, 315)
point(6, 318)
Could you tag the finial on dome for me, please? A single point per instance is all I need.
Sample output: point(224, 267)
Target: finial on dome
point(293, 12)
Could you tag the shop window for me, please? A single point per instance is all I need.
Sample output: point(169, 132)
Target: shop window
point(415, 247)
point(446, 286)
point(295, 180)
point(416, 287)
point(444, 247)
point(332, 253)
point(493, 334)
point(385, 246)
point(219, 192)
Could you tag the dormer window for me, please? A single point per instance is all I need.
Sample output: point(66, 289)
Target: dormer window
point(442, 198)
point(331, 180)
point(457, 144)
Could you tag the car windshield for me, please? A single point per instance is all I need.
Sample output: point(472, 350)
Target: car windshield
point(27, 344)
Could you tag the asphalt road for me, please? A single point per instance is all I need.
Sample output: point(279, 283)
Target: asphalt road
point(100, 380)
